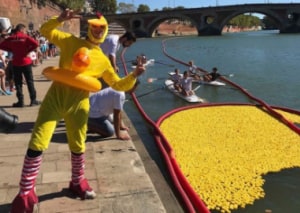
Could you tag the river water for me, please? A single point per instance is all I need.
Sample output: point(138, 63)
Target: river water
point(265, 63)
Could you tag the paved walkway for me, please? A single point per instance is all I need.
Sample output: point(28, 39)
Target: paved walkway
point(121, 172)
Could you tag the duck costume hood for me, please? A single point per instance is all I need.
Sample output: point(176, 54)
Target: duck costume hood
point(100, 21)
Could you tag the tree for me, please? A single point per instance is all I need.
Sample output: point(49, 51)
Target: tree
point(173, 8)
point(143, 8)
point(179, 8)
point(244, 21)
point(126, 8)
point(167, 8)
point(104, 6)
point(73, 4)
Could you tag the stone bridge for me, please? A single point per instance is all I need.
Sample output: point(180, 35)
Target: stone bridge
point(209, 20)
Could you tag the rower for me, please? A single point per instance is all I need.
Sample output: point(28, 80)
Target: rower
point(212, 76)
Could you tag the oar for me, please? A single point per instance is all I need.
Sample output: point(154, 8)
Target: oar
point(229, 75)
point(150, 80)
point(146, 93)
point(196, 88)
point(169, 65)
point(226, 75)
point(126, 61)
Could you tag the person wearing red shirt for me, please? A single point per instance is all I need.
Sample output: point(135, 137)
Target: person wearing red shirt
point(20, 44)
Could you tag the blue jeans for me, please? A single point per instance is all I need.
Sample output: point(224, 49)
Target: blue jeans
point(101, 125)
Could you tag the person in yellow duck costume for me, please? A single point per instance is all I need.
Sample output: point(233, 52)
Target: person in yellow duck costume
point(65, 101)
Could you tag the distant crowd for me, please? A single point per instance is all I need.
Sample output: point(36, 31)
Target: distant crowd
point(44, 51)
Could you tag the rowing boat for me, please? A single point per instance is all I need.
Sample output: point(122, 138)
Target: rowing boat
point(192, 98)
point(212, 83)
point(149, 62)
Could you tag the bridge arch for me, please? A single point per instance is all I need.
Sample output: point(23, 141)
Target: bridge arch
point(157, 21)
point(138, 26)
point(277, 20)
point(208, 24)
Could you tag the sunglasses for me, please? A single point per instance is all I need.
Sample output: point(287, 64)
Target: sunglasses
point(98, 26)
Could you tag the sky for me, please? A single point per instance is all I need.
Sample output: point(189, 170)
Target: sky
point(159, 4)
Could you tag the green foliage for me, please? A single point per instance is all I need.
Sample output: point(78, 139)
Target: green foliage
point(143, 8)
point(173, 8)
point(167, 8)
point(245, 21)
point(104, 6)
point(179, 8)
point(126, 8)
point(73, 4)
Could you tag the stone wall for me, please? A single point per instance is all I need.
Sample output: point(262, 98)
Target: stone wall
point(27, 11)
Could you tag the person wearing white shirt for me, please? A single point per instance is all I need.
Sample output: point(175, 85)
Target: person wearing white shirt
point(112, 44)
point(3, 66)
point(105, 116)
point(192, 68)
point(186, 84)
point(176, 77)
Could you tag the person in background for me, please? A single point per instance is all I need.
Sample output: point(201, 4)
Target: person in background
point(195, 71)
point(3, 66)
point(176, 78)
point(9, 75)
point(70, 103)
point(142, 56)
point(212, 76)
point(10, 72)
point(186, 84)
point(105, 117)
point(20, 45)
point(52, 50)
point(39, 55)
point(44, 48)
point(112, 44)
point(192, 69)
point(34, 58)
